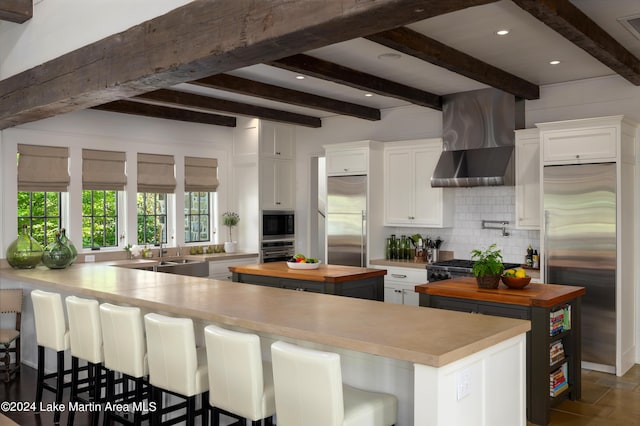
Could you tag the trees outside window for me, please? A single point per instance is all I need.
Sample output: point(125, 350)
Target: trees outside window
point(41, 212)
point(152, 218)
point(99, 218)
point(197, 217)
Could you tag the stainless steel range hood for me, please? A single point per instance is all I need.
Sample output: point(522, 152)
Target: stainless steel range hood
point(478, 139)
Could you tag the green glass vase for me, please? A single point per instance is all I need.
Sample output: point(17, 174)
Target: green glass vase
point(24, 252)
point(57, 255)
point(66, 241)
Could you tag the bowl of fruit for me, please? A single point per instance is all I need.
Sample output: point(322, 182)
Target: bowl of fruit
point(300, 261)
point(516, 278)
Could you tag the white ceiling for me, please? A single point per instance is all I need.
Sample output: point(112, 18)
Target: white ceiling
point(524, 52)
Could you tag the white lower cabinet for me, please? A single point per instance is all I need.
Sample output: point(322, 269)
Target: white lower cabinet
point(399, 285)
point(219, 269)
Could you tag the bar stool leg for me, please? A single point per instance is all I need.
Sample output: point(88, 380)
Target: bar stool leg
point(74, 388)
point(39, 385)
point(59, 385)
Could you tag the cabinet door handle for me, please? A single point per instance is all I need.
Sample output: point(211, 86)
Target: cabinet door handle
point(278, 202)
point(577, 155)
point(398, 291)
point(398, 276)
point(277, 153)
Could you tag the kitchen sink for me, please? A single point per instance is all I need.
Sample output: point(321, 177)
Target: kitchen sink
point(191, 267)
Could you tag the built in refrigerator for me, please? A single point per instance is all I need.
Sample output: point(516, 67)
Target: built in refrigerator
point(580, 249)
point(346, 220)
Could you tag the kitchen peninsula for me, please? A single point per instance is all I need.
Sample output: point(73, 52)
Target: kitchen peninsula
point(416, 353)
point(363, 283)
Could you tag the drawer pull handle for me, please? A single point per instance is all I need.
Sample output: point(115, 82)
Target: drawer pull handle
point(398, 276)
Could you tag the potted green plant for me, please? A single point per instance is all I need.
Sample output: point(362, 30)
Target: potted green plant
point(487, 266)
point(230, 219)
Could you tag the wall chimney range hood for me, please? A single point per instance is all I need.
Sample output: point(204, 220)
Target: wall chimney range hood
point(478, 139)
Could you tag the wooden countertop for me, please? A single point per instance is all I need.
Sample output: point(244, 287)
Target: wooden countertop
point(324, 273)
point(535, 294)
point(420, 335)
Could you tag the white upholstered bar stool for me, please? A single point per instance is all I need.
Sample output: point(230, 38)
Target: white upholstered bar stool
point(125, 352)
point(51, 333)
point(85, 338)
point(176, 367)
point(310, 392)
point(240, 383)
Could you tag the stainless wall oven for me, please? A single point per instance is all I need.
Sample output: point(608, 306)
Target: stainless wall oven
point(278, 225)
point(277, 251)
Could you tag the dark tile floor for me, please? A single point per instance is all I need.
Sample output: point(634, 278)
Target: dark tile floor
point(607, 400)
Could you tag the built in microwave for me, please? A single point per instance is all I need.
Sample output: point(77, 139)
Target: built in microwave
point(278, 225)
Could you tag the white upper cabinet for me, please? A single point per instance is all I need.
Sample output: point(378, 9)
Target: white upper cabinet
point(528, 179)
point(277, 188)
point(347, 161)
point(595, 142)
point(277, 140)
point(409, 198)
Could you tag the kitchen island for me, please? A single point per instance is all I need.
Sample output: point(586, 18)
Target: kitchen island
point(551, 347)
point(416, 353)
point(352, 281)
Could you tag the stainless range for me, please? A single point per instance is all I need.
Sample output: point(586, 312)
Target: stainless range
point(454, 268)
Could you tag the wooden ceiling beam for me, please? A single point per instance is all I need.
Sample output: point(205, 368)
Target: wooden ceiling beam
point(197, 40)
point(570, 22)
point(325, 70)
point(18, 11)
point(191, 100)
point(243, 86)
point(427, 49)
point(159, 111)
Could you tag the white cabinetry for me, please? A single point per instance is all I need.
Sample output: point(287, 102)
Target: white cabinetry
point(341, 162)
point(528, 179)
point(409, 199)
point(219, 269)
point(564, 144)
point(399, 285)
point(277, 183)
point(263, 173)
point(277, 140)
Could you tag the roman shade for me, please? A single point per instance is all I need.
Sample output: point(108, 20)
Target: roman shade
point(43, 168)
point(103, 170)
point(156, 173)
point(200, 174)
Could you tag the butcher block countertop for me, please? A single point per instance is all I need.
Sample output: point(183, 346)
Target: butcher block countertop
point(431, 337)
point(324, 273)
point(535, 294)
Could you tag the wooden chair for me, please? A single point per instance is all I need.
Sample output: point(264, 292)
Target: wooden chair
point(10, 303)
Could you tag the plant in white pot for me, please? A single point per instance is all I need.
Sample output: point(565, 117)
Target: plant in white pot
point(230, 219)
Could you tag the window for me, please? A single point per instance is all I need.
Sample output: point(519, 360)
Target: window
point(99, 218)
point(196, 217)
point(152, 218)
point(41, 212)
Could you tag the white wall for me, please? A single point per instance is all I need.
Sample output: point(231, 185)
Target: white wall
point(118, 132)
point(60, 26)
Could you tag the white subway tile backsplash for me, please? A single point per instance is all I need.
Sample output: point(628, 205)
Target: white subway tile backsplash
point(472, 205)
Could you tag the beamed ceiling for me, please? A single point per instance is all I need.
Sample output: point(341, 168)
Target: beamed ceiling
point(357, 58)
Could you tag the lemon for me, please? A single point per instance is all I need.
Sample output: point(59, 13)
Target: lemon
point(510, 273)
point(520, 273)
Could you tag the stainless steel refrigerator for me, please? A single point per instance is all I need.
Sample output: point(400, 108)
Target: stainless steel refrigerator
point(347, 220)
point(580, 249)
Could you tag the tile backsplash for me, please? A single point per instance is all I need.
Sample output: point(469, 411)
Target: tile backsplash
point(472, 206)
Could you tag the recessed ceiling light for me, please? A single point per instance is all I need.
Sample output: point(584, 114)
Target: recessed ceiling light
point(300, 77)
point(368, 95)
point(502, 32)
point(389, 56)
point(554, 62)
